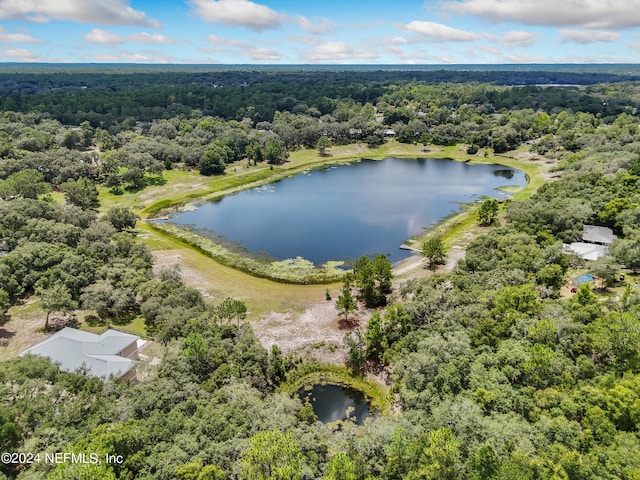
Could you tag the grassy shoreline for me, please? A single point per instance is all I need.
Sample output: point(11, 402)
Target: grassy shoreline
point(308, 374)
point(295, 270)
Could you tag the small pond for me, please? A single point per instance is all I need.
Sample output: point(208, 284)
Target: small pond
point(335, 402)
point(342, 212)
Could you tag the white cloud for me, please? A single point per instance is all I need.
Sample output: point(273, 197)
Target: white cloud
point(242, 13)
point(304, 39)
point(239, 48)
point(221, 44)
point(577, 13)
point(588, 36)
point(144, 37)
point(104, 12)
point(16, 37)
point(439, 32)
point(19, 54)
point(490, 50)
point(336, 51)
point(262, 54)
point(514, 39)
point(522, 58)
point(322, 25)
point(103, 37)
point(133, 57)
point(399, 40)
point(108, 38)
point(255, 16)
point(417, 56)
point(634, 46)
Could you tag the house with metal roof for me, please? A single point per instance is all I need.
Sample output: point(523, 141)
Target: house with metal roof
point(595, 242)
point(112, 353)
point(597, 235)
point(587, 251)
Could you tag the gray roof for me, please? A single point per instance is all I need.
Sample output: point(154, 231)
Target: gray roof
point(99, 354)
point(595, 234)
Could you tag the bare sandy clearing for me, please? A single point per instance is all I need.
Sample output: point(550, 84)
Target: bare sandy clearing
point(309, 325)
point(21, 331)
point(314, 334)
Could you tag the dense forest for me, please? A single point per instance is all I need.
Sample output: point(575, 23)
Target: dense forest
point(494, 374)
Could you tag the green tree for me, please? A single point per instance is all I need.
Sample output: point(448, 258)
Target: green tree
point(340, 467)
point(4, 302)
point(607, 269)
point(277, 365)
point(10, 432)
point(584, 296)
point(356, 342)
point(56, 298)
point(215, 158)
point(519, 298)
point(627, 250)
point(323, 144)
point(196, 350)
point(27, 183)
point(231, 308)
point(82, 192)
point(551, 275)
point(383, 273)
point(122, 218)
point(363, 271)
point(345, 302)
point(615, 337)
point(272, 455)
point(375, 336)
point(275, 152)
point(196, 471)
point(434, 250)
point(373, 279)
point(134, 178)
point(440, 459)
point(108, 301)
point(488, 211)
point(253, 152)
point(484, 464)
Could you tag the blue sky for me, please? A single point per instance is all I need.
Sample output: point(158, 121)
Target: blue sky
point(317, 32)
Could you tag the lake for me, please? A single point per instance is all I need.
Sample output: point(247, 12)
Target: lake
point(342, 212)
point(334, 402)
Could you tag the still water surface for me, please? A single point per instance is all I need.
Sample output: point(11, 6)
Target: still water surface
point(334, 402)
point(345, 211)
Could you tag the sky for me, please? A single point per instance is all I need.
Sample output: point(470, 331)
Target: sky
point(320, 31)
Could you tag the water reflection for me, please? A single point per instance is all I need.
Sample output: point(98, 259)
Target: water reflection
point(366, 208)
point(331, 403)
point(508, 174)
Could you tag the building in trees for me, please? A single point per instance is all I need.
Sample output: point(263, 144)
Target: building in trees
point(111, 354)
point(595, 243)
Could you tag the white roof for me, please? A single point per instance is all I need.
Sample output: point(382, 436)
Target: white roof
point(75, 349)
point(588, 251)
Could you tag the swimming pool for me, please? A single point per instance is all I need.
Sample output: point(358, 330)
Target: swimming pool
point(584, 278)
